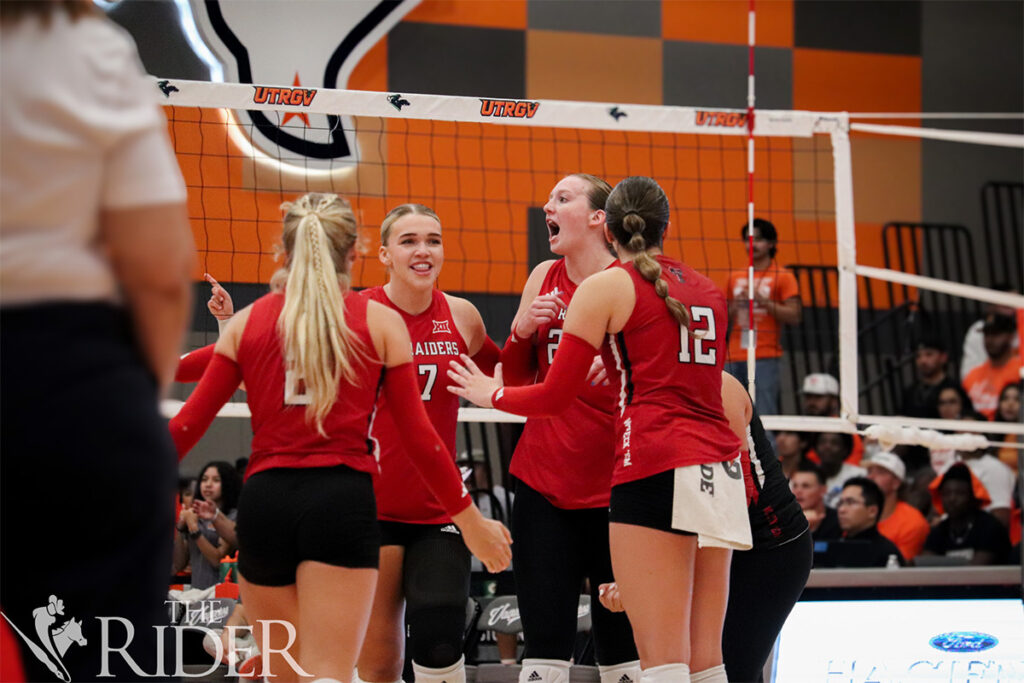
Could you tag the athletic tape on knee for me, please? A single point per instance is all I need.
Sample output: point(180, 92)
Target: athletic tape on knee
point(715, 674)
point(666, 673)
point(627, 672)
point(544, 671)
point(456, 673)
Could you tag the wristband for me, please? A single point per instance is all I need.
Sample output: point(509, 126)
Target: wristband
point(194, 535)
point(221, 324)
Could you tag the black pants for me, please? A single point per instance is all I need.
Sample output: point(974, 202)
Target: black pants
point(763, 587)
point(554, 550)
point(87, 483)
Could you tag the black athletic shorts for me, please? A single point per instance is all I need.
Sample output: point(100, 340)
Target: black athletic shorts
point(646, 502)
point(289, 515)
point(406, 534)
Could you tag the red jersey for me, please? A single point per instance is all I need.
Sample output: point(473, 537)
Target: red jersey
point(282, 437)
point(670, 383)
point(402, 495)
point(567, 458)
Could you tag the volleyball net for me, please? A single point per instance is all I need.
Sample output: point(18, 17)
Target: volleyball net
point(486, 167)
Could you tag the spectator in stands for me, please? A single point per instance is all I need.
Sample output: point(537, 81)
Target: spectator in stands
point(791, 448)
point(833, 449)
point(985, 383)
point(820, 394)
point(967, 531)
point(951, 403)
point(808, 486)
point(860, 505)
point(997, 478)
point(1008, 410)
point(206, 531)
point(918, 477)
point(930, 361)
point(973, 353)
point(776, 303)
point(898, 521)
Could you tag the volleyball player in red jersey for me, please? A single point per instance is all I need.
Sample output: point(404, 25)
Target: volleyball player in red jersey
point(560, 521)
point(781, 555)
point(424, 565)
point(678, 500)
point(314, 360)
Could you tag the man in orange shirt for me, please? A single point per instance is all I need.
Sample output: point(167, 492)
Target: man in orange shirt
point(985, 382)
point(900, 522)
point(776, 303)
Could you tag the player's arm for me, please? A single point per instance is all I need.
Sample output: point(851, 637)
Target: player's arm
point(482, 349)
point(597, 306)
point(218, 383)
point(518, 359)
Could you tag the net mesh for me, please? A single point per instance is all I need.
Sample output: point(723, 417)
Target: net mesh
point(487, 182)
point(488, 175)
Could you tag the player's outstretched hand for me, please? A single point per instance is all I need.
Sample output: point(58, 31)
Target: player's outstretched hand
point(471, 383)
point(610, 598)
point(486, 538)
point(220, 304)
point(543, 310)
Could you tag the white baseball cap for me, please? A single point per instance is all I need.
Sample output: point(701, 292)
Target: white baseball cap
point(821, 384)
point(889, 461)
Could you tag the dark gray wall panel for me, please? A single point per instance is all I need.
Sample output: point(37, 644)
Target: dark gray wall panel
point(972, 61)
point(156, 28)
point(890, 27)
point(457, 60)
point(713, 75)
point(615, 17)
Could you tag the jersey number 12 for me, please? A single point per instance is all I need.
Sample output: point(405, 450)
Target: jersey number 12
point(702, 355)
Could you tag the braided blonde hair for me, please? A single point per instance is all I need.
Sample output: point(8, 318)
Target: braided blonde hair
point(319, 234)
point(637, 215)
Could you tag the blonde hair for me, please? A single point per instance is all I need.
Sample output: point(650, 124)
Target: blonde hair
point(319, 234)
point(401, 211)
point(637, 213)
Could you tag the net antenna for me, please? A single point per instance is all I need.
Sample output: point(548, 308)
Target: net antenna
point(485, 163)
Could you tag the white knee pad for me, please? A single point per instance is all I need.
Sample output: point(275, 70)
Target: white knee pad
point(715, 674)
point(666, 673)
point(544, 671)
point(456, 673)
point(627, 672)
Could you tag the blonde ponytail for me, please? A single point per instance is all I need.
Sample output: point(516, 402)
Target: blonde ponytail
point(319, 348)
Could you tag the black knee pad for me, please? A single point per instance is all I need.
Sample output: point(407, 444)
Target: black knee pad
point(436, 635)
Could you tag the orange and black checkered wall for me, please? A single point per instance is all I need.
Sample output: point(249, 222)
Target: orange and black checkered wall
point(858, 56)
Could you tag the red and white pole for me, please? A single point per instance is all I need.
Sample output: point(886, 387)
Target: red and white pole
point(751, 333)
